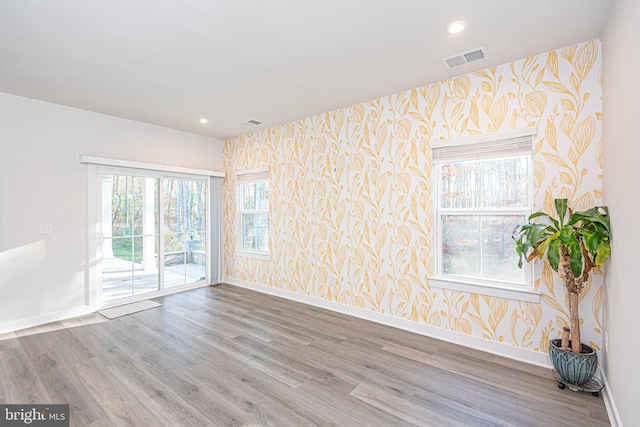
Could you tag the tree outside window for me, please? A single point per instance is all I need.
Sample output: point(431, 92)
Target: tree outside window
point(253, 203)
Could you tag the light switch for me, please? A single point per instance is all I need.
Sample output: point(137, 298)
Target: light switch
point(46, 228)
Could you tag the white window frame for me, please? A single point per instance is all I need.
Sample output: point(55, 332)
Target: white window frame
point(483, 147)
point(246, 177)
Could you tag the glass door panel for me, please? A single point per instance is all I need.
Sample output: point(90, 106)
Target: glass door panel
point(184, 231)
point(130, 226)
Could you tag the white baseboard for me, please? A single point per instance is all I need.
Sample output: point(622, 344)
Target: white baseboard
point(609, 403)
point(516, 353)
point(30, 322)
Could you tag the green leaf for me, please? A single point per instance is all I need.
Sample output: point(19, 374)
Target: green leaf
point(538, 214)
point(519, 252)
point(603, 254)
point(601, 230)
point(592, 240)
point(543, 214)
point(535, 233)
point(561, 209)
point(553, 254)
point(543, 246)
point(593, 215)
point(567, 235)
point(575, 257)
point(522, 245)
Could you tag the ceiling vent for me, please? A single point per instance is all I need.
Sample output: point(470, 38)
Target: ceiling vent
point(253, 122)
point(469, 57)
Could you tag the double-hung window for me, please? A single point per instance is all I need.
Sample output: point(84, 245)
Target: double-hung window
point(253, 213)
point(484, 187)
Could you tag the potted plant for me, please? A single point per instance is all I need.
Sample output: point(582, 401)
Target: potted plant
point(575, 244)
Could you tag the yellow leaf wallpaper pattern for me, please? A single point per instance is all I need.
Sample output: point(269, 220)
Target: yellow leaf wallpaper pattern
point(351, 202)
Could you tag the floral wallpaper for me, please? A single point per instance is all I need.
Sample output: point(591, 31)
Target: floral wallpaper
point(352, 208)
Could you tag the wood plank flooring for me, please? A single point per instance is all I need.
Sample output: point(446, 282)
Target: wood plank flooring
point(227, 356)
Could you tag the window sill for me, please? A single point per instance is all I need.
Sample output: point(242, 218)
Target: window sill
point(461, 284)
point(265, 256)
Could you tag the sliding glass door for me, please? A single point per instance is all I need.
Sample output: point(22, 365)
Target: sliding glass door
point(184, 231)
point(153, 233)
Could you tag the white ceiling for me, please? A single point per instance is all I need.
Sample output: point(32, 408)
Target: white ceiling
point(170, 62)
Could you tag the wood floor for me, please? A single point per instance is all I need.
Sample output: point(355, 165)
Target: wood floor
point(222, 356)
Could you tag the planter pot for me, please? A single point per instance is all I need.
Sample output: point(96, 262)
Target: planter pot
point(574, 369)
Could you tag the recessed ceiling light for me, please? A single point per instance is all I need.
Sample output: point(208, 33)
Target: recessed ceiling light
point(456, 27)
point(204, 121)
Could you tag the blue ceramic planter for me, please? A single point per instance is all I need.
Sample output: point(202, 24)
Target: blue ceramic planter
point(575, 369)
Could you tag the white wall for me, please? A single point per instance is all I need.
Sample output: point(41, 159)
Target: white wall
point(42, 181)
point(621, 103)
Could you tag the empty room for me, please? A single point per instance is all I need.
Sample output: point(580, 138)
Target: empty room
point(349, 213)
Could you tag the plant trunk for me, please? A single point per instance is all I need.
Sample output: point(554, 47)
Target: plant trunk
point(574, 287)
point(576, 343)
point(565, 339)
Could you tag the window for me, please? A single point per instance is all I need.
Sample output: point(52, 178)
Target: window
point(253, 212)
point(483, 192)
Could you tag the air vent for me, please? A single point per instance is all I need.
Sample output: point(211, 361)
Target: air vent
point(461, 59)
point(253, 122)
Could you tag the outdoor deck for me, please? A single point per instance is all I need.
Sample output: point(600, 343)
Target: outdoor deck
point(120, 280)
